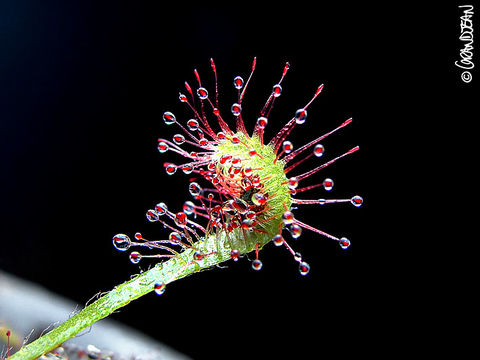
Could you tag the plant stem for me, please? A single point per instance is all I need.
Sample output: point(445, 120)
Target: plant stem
point(216, 249)
point(120, 296)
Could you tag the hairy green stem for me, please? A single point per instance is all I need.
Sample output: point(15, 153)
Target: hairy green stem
point(216, 249)
point(121, 295)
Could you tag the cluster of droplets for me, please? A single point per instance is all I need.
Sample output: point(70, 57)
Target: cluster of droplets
point(239, 198)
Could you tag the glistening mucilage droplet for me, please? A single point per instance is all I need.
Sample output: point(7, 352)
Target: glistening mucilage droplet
point(121, 242)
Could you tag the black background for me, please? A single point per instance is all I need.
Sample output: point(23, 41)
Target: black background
point(83, 88)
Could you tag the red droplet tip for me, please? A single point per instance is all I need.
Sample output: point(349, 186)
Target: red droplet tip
point(189, 89)
point(348, 121)
point(197, 76)
point(354, 149)
point(319, 90)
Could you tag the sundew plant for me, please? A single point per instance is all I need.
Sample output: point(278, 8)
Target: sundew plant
point(244, 190)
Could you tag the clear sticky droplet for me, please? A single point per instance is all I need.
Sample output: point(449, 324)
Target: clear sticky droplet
point(198, 256)
point(277, 90)
point(224, 158)
point(178, 139)
point(256, 265)
point(194, 189)
point(236, 109)
point(202, 93)
point(328, 184)
point(287, 147)
point(171, 169)
point(262, 122)
point(344, 243)
point(288, 217)
point(175, 237)
point(295, 231)
point(161, 208)
point(152, 215)
point(259, 199)
point(238, 82)
point(193, 154)
point(278, 240)
point(297, 256)
point(122, 242)
point(235, 254)
point(292, 183)
point(192, 125)
point(303, 268)
point(300, 116)
point(159, 288)
point(169, 118)
point(318, 150)
point(251, 215)
point(188, 207)
point(247, 171)
point(236, 162)
point(135, 257)
point(162, 147)
point(247, 224)
point(182, 97)
point(187, 168)
point(181, 219)
point(356, 201)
